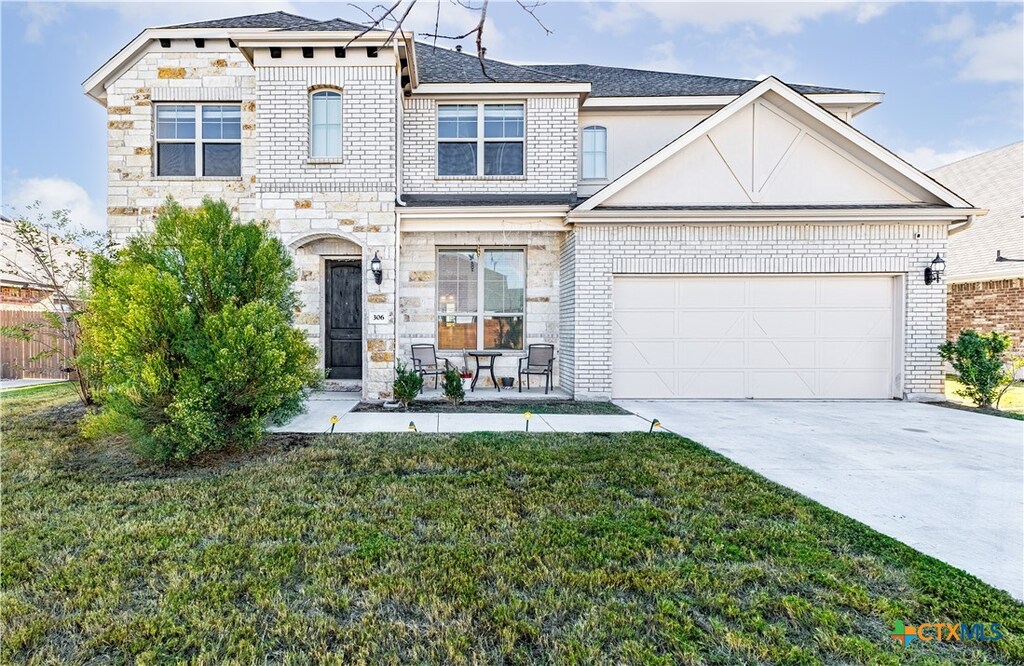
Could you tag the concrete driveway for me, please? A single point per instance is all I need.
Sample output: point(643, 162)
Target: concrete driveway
point(949, 483)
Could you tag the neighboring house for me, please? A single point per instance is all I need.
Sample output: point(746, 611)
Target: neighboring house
point(986, 273)
point(672, 235)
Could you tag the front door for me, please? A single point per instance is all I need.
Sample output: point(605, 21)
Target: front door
point(344, 353)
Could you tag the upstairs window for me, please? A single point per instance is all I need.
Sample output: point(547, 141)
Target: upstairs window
point(325, 124)
point(595, 152)
point(480, 139)
point(211, 147)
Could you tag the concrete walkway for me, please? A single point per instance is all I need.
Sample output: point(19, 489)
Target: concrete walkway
point(947, 482)
point(6, 384)
point(322, 406)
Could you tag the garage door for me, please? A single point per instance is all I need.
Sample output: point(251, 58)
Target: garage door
point(752, 337)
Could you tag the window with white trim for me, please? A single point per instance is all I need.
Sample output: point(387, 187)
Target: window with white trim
point(325, 124)
point(196, 139)
point(481, 298)
point(480, 139)
point(595, 152)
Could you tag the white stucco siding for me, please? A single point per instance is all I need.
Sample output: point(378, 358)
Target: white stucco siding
point(550, 150)
point(604, 251)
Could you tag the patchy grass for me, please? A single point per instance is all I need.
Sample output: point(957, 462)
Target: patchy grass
point(500, 407)
point(575, 549)
point(1011, 406)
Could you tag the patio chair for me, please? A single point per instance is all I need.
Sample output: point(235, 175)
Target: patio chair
point(425, 362)
point(539, 360)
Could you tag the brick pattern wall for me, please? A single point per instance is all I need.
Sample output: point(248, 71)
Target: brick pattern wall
point(134, 192)
point(604, 250)
point(367, 163)
point(550, 151)
point(994, 305)
point(417, 284)
point(566, 309)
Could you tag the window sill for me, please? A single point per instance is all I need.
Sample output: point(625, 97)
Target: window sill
point(521, 178)
point(323, 161)
point(190, 178)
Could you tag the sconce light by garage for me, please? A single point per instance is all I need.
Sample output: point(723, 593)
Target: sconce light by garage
point(375, 268)
point(933, 272)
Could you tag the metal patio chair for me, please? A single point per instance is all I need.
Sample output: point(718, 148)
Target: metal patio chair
point(539, 360)
point(425, 362)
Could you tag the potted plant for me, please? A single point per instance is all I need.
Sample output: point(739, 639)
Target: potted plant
point(508, 382)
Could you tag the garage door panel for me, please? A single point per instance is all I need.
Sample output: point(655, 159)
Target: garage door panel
point(783, 324)
point(753, 337)
point(783, 354)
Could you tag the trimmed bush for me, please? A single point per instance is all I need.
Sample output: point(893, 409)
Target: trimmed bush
point(189, 334)
point(408, 384)
point(452, 385)
point(980, 362)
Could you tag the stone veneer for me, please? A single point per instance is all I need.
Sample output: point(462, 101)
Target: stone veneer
point(417, 303)
point(600, 251)
point(992, 305)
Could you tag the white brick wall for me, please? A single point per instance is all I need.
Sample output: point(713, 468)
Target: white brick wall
point(604, 250)
point(550, 152)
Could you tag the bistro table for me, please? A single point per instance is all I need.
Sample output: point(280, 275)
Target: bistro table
point(489, 365)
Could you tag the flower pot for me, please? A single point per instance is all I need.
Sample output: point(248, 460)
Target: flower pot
point(508, 382)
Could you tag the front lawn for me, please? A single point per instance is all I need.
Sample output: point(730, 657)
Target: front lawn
point(479, 548)
point(1011, 405)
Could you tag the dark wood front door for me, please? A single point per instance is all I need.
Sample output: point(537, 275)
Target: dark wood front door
point(344, 353)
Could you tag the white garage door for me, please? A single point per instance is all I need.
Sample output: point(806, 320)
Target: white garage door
point(752, 337)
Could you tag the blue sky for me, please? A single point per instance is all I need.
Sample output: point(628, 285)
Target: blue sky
point(952, 72)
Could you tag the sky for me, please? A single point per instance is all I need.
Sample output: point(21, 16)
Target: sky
point(952, 73)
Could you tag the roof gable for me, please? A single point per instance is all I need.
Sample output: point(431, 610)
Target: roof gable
point(772, 147)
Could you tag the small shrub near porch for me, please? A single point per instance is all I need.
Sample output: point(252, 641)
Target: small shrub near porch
point(188, 332)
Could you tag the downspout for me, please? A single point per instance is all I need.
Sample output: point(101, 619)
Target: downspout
point(962, 227)
point(398, 187)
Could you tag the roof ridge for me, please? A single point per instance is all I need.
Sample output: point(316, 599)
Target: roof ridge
point(241, 16)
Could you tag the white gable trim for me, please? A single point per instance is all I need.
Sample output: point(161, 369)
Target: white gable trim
point(815, 111)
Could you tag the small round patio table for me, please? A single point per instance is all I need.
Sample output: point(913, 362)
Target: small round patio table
point(484, 361)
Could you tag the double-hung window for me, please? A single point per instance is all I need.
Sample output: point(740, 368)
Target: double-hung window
point(595, 152)
point(325, 124)
point(481, 298)
point(203, 139)
point(480, 139)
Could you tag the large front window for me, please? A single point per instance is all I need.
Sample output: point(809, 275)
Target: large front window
point(481, 298)
point(480, 139)
point(196, 139)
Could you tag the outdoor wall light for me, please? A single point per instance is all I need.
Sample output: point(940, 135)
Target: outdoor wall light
point(933, 272)
point(378, 274)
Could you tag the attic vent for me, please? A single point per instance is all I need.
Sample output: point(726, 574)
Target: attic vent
point(165, 43)
point(339, 51)
point(275, 51)
point(200, 42)
point(372, 51)
point(307, 51)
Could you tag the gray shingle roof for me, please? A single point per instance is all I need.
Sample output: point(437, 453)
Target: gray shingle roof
point(279, 20)
point(440, 65)
point(623, 82)
point(338, 24)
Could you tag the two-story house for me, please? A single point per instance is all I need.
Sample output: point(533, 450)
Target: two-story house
point(672, 235)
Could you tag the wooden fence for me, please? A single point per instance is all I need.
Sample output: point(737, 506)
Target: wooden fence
point(15, 355)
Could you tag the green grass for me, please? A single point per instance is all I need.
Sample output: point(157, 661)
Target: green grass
point(502, 407)
point(1011, 405)
point(574, 549)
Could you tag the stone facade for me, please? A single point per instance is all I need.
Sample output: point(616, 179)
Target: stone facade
point(993, 305)
point(599, 252)
point(418, 289)
point(550, 151)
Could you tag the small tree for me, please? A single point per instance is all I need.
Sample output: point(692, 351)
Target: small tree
point(189, 333)
point(980, 362)
point(48, 251)
point(408, 384)
point(452, 385)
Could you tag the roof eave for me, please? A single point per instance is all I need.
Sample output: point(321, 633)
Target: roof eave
point(810, 214)
point(859, 102)
point(497, 88)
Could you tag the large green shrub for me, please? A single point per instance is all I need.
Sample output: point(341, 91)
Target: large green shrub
point(189, 333)
point(980, 362)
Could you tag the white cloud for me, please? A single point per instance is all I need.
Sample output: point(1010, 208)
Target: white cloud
point(147, 14)
point(927, 157)
point(990, 54)
point(54, 194)
point(39, 15)
point(662, 57)
point(772, 17)
point(455, 19)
